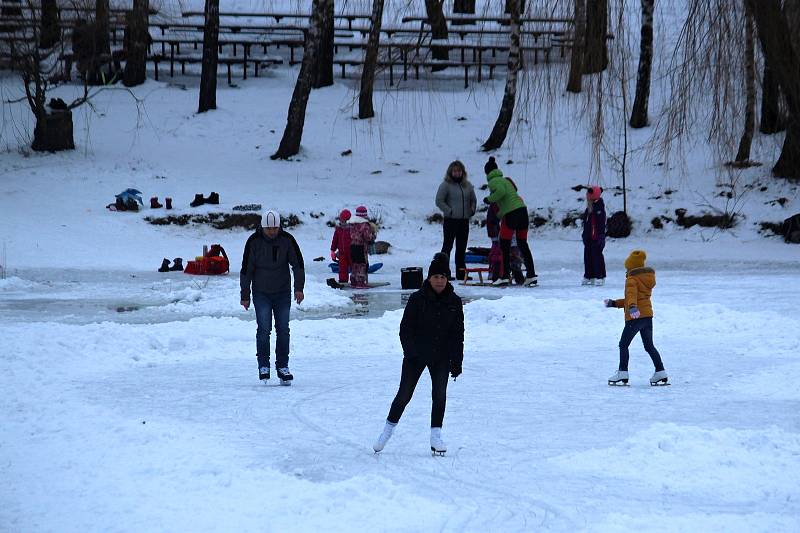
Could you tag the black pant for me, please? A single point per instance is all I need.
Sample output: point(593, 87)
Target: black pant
point(412, 370)
point(632, 327)
point(594, 264)
point(456, 229)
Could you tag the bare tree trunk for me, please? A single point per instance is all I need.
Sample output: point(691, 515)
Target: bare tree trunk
point(577, 56)
point(771, 117)
point(102, 45)
point(208, 74)
point(50, 33)
point(743, 154)
point(464, 6)
point(500, 130)
point(775, 37)
point(433, 9)
point(290, 142)
point(639, 113)
point(365, 109)
point(596, 59)
point(136, 64)
point(507, 9)
point(323, 68)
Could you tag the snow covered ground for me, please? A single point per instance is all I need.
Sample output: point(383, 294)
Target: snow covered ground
point(130, 400)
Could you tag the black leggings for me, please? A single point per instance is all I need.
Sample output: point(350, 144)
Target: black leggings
point(456, 229)
point(412, 370)
point(632, 327)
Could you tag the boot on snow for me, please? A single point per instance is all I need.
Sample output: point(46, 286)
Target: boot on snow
point(438, 447)
point(168, 201)
point(198, 200)
point(384, 437)
point(213, 198)
point(177, 265)
point(164, 266)
point(620, 378)
point(154, 203)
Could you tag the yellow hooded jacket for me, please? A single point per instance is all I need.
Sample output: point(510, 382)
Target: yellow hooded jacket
point(639, 283)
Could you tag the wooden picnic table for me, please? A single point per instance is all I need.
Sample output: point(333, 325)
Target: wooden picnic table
point(349, 17)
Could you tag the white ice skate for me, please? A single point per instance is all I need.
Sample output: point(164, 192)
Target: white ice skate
point(659, 378)
point(599, 282)
point(620, 378)
point(531, 281)
point(501, 282)
point(438, 447)
point(384, 437)
point(586, 281)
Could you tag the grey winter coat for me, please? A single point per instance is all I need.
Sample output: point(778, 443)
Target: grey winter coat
point(456, 200)
point(266, 262)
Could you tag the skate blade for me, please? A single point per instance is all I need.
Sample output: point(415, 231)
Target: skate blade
point(286, 382)
point(661, 383)
point(439, 453)
point(623, 383)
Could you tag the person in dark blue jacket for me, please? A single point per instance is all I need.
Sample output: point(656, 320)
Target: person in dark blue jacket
point(432, 335)
point(594, 237)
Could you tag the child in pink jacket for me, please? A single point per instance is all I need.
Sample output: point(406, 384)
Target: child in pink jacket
point(341, 242)
point(362, 232)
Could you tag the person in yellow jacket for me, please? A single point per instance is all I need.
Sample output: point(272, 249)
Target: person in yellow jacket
point(639, 283)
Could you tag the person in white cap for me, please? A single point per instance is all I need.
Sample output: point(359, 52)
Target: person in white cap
point(268, 254)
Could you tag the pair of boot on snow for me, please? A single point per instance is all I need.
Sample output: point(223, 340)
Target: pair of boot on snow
point(438, 447)
point(155, 204)
point(620, 377)
point(199, 199)
point(177, 265)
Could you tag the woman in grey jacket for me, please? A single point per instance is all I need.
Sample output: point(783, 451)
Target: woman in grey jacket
point(456, 199)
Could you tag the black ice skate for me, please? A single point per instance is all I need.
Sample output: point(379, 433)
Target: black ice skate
point(263, 373)
point(285, 376)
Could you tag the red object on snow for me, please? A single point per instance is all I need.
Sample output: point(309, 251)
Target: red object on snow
point(214, 263)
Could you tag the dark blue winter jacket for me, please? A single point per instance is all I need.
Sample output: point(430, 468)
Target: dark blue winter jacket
point(594, 223)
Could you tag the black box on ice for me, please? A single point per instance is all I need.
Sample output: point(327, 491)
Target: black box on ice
point(411, 277)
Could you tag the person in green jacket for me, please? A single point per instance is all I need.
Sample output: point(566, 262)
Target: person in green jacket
point(514, 221)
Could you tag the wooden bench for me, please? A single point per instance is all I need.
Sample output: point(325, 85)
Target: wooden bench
point(228, 61)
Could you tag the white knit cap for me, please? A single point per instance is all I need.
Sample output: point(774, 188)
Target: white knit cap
point(270, 219)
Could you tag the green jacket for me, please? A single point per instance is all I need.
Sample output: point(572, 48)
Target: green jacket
point(503, 192)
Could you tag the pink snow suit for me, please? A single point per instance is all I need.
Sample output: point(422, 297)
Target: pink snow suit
point(341, 242)
point(361, 234)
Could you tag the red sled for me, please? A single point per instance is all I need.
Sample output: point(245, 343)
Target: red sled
point(213, 263)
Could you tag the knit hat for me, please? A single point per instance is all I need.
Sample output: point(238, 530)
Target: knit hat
point(361, 211)
point(270, 219)
point(439, 265)
point(345, 215)
point(490, 165)
point(635, 260)
point(593, 193)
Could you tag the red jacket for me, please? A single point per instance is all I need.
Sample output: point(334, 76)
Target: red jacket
point(341, 239)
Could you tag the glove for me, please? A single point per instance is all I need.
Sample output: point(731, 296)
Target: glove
point(333, 256)
point(609, 303)
point(455, 369)
point(486, 200)
point(634, 312)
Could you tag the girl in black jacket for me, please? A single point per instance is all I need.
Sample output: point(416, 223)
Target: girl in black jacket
point(432, 335)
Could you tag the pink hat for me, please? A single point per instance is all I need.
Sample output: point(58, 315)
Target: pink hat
point(361, 211)
point(345, 215)
point(593, 193)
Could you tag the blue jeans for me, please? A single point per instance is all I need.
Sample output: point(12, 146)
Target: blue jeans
point(644, 326)
point(266, 305)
